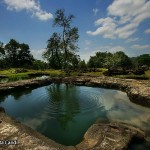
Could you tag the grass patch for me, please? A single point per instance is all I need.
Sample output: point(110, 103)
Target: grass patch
point(19, 76)
point(8, 71)
point(138, 77)
point(95, 74)
point(147, 73)
point(13, 76)
point(102, 69)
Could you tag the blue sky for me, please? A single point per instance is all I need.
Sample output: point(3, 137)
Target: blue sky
point(104, 25)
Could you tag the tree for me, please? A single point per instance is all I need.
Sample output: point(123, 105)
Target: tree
point(11, 52)
point(121, 60)
point(2, 52)
point(143, 60)
point(2, 56)
point(39, 65)
point(92, 62)
point(100, 60)
point(14, 54)
point(82, 65)
point(53, 51)
point(69, 35)
point(24, 56)
point(108, 60)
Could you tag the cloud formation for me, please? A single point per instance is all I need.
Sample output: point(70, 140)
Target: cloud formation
point(132, 40)
point(147, 31)
point(140, 47)
point(38, 53)
point(123, 18)
point(32, 6)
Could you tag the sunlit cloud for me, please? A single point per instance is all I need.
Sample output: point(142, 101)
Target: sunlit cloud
point(31, 6)
point(147, 31)
point(140, 47)
point(123, 19)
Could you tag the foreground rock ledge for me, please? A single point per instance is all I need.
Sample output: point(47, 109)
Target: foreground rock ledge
point(137, 90)
point(108, 136)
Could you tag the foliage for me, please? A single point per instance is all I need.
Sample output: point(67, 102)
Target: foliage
point(53, 53)
point(39, 65)
point(141, 61)
point(138, 77)
point(107, 60)
point(82, 65)
point(147, 73)
point(61, 47)
point(14, 54)
point(144, 60)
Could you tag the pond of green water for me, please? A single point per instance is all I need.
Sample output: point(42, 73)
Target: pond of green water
point(65, 112)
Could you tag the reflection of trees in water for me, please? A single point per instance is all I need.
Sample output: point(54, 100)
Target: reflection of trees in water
point(3, 97)
point(63, 102)
point(16, 94)
point(19, 93)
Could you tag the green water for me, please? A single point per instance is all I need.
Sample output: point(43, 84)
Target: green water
point(64, 112)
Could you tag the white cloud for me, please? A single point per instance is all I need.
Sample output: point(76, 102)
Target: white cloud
point(95, 11)
point(86, 52)
point(32, 6)
point(132, 40)
point(110, 48)
point(123, 18)
point(140, 47)
point(147, 31)
point(37, 54)
point(106, 29)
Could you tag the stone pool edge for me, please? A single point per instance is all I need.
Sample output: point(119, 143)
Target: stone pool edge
point(99, 136)
point(138, 91)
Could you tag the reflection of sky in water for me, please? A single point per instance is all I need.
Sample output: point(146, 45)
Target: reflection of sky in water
point(55, 109)
point(121, 109)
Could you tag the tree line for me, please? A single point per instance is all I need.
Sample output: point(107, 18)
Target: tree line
point(18, 55)
point(61, 52)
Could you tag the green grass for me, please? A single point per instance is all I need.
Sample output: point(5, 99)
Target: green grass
point(102, 69)
point(55, 73)
point(13, 76)
point(19, 76)
point(8, 71)
point(93, 74)
point(140, 77)
point(147, 73)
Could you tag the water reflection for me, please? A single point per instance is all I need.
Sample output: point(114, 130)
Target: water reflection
point(17, 95)
point(64, 112)
point(63, 103)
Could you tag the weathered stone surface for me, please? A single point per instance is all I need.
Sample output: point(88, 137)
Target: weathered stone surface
point(137, 90)
point(25, 136)
point(123, 71)
point(100, 136)
point(110, 136)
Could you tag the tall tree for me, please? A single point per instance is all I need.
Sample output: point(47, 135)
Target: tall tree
point(53, 51)
point(61, 47)
point(2, 52)
point(11, 51)
point(143, 60)
point(24, 56)
point(2, 56)
point(16, 54)
point(69, 35)
point(120, 59)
